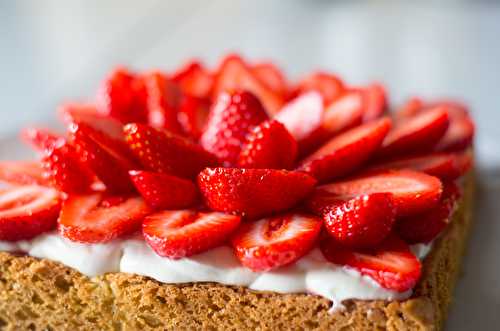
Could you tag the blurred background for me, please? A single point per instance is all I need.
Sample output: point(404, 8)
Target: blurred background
point(51, 51)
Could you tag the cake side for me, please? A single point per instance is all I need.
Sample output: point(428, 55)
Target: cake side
point(45, 295)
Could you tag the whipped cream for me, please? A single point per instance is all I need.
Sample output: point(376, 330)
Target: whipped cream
point(311, 274)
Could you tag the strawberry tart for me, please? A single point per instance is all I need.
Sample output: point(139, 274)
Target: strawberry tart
point(234, 199)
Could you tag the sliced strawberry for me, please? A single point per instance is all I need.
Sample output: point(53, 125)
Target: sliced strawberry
point(276, 241)
point(193, 115)
point(347, 151)
point(363, 221)
point(40, 139)
point(180, 233)
point(447, 166)
point(459, 136)
point(234, 75)
point(272, 76)
point(410, 108)
point(108, 158)
point(253, 192)
point(165, 152)
point(417, 134)
point(162, 191)
point(163, 98)
point(64, 169)
point(231, 117)
point(269, 145)
point(413, 192)
point(22, 172)
point(27, 211)
point(96, 218)
point(374, 101)
point(194, 80)
point(328, 85)
point(423, 228)
point(391, 264)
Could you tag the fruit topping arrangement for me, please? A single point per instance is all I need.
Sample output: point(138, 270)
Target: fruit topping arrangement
point(242, 156)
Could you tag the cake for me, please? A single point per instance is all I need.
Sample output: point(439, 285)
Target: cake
point(235, 200)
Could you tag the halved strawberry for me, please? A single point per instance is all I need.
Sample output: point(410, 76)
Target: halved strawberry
point(27, 211)
point(276, 241)
point(347, 151)
point(193, 115)
point(413, 192)
point(234, 75)
point(269, 145)
point(391, 264)
point(272, 76)
point(97, 218)
point(180, 233)
point(253, 192)
point(374, 101)
point(64, 169)
point(165, 152)
point(231, 117)
point(362, 221)
point(416, 134)
point(162, 191)
point(423, 228)
point(459, 136)
point(328, 85)
point(22, 172)
point(447, 166)
point(40, 139)
point(194, 80)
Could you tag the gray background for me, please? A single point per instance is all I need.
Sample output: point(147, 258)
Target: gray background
point(52, 51)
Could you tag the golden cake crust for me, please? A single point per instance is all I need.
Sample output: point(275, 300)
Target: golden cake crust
point(38, 294)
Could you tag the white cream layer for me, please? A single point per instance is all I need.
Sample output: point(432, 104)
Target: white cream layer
point(311, 274)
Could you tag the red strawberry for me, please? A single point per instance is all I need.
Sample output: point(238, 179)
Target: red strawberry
point(253, 192)
point(363, 221)
point(96, 218)
point(459, 136)
point(162, 191)
point(64, 169)
point(447, 166)
point(269, 145)
point(234, 75)
point(330, 86)
point(374, 101)
point(413, 192)
point(347, 151)
point(272, 76)
point(40, 139)
point(194, 80)
point(193, 115)
point(108, 158)
point(410, 108)
point(391, 264)
point(231, 117)
point(423, 228)
point(27, 211)
point(180, 233)
point(276, 241)
point(165, 152)
point(162, 96)
point(416, 134)
point(22, 172)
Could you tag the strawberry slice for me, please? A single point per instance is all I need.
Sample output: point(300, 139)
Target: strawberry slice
point(424, 227)
point(446, 166)
point(413, 192)
point(347, 151)
point(235, 75)
point(459, 136)
point(194, 80)
point(269, 145)
point(328, 85)
point(391, 264)
point(22, 172)
point(231, 117)
point(276, 241)
point(374, 101)
point(363, 221)
point(108, 158)
point(253, 192)
point(27, 211)
point(40, 139)
point(162, 191)
point(272, 76)
point(417, 134)
point(165, 152)
point(163, 98)
point(193, 115)
point(180, 233)
point(64, 169)
point(96, 218)
point(409, 109)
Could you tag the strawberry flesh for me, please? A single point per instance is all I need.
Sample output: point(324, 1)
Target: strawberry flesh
point(272, 76)
point(193, 115)
point(194, 80)
point(23, 173)
point(40, 139)
point(329, 86)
